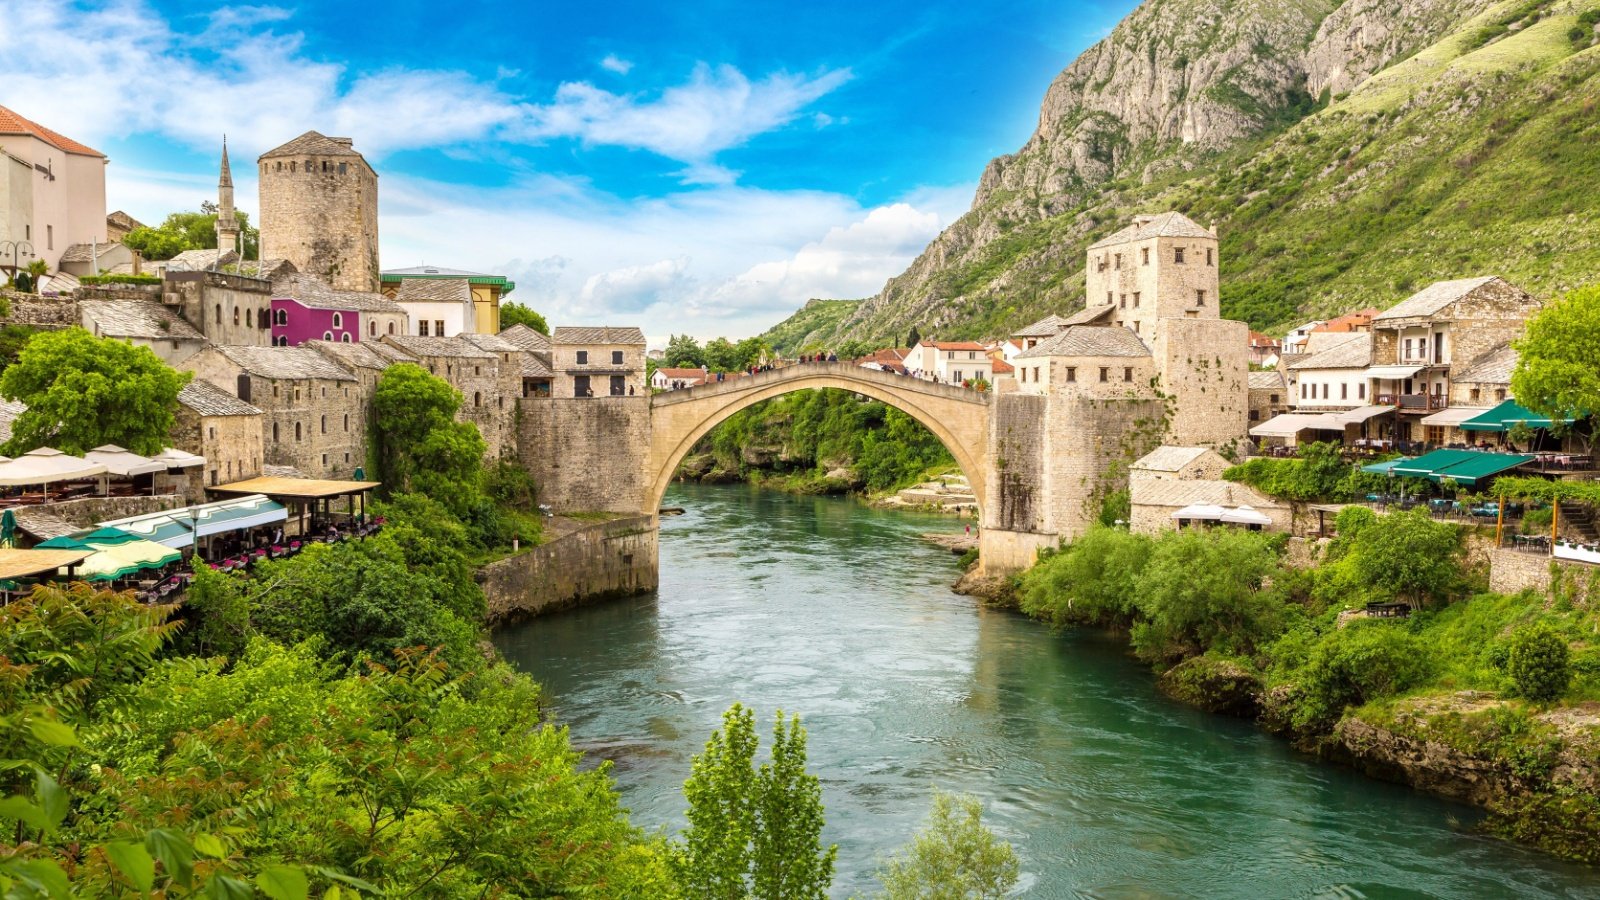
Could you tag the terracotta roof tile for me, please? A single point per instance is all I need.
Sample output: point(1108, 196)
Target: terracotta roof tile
point(13, 123)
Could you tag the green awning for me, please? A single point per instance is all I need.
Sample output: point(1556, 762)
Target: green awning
point(1386, 467)
point(1509, 415)
point(1429, 463)
point(113, 553)
point(1482, 465)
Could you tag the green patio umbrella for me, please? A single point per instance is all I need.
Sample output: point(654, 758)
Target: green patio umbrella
point(8, 529)
point(361, 473)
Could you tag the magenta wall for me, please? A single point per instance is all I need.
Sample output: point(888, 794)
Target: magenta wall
point(306, 324)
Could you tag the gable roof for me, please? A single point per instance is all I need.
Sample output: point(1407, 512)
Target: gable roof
point(313, 292)
point(1355, 352)
point(1089, 315)
point(1001, 367)
point(1090, 340)
point(316, 144)
point(1171, 459)
point(1266, 381)
point(526, 338)
point(284, 362)
point(954, 345)
point(418, 345)
point(1178, 493)
point(1168, 224)
point(684, 373)
point(570, 334)
point(13, 123)
point(492, 343)
point(1349, 321)
point(1049, 326)
point(439, 271)
point(1433, 298)
point(194, 260)
point(1492, 367)
point(86, 252)
point(434, 290)
point(136, 319)
point(358, 355)
point(207, 399)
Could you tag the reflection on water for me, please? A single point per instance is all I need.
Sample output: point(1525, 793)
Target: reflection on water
point(838, 612)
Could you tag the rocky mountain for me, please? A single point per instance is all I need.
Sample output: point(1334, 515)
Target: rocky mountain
point(1347, 151)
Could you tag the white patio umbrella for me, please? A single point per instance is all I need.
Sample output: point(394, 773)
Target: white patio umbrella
point(122, 462)
point(46, 465)
point(1200, 511)
point(1246, 515)
point(173, 458)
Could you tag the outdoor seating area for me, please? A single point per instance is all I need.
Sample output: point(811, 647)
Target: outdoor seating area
point(46, 475)
point(1243, 516)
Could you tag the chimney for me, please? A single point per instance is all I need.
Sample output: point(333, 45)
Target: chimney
point(1141, 221)
point(1213, 228)
point(343, 142)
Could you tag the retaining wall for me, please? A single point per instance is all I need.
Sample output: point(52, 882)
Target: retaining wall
point(600, 561)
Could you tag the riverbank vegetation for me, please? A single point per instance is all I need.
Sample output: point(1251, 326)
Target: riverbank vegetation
point(1504, 685)
point(826, 441)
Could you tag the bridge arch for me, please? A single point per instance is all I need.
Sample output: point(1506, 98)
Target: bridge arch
point(958, 417)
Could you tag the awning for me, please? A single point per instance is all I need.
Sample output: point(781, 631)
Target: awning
point(236, 515)
point(175, 459)
point(1246, 515)
point(1453, 416)
point(1357, 416)
point(297, 488)
point(44, 466)
point(1291, 424)
point(173, 529)
point(1386, 467)
point(1428, 463)
point(123, 462)
point(1393, 373)
point(113, 554)
point(1509, 415)
point(1202, 511)
point(1460, 466)
point(16, 564)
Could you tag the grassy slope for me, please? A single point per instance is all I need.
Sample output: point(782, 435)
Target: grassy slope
point(1459, 161)
point(817, 317)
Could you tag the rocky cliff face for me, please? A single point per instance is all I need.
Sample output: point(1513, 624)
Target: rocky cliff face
point(1175, 84)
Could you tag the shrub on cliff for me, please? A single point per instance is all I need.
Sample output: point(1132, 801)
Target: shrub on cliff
point(1361, 662)
point(1202, 590)
point(1539, 663)
point(1090, 582)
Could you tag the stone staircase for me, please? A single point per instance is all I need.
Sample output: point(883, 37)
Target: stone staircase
point(947, 493)
point(1576, 519)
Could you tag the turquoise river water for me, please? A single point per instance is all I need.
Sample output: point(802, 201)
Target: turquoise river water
point(841, 613)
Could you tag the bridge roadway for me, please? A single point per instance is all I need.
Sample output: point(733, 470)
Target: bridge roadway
point(958, 416)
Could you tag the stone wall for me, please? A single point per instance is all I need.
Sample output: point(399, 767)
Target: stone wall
point(33, 309)
point(1486, 318)
point(588, 454)
point(89, 511)
point(227, 309)
point(1090, 445)
point(324, 220)
point(231, 444)
point(608, 559)
point(1205, 370)
point(1016, 477)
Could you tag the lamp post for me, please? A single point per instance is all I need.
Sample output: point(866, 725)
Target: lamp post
point(15, 252)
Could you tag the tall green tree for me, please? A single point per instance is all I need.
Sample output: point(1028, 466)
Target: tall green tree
point(1558, 357)
point(517, 314)
point(190, 231)
point(414, 424)
point(753, 833)
point(954, 858)
point(684, 352)
point(83, 391)
point(913, 337)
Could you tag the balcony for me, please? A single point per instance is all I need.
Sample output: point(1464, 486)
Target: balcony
point(1414, 403)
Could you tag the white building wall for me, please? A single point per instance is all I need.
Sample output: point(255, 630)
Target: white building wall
point(455, 317)
point(1325, 389)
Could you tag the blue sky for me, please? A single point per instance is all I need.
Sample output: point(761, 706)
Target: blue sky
point(692, 167)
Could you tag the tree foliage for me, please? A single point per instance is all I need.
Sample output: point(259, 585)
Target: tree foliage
point(753, 832)
point(1539, 663)
point(418, 441)
point(83, 391)
point(517, 314)
point(1556, 372)
point(954, 858)
point(190, 231)
point(1401, 556)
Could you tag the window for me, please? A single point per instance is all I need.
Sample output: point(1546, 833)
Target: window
point(580, 386)
point(1209, 258)
point(1273, 398)
point(619, 386)
point(1255, 415)
point(324, 424)
point(236, 316)
point(1145, 253)
point(1177, 255)
point(477, 399)
point(346, 421)
point(1102, 266)
point(1118, 266)
point(1123, 302)
point(438, 327)
point(297, 431)
point(324, 460)
point(297, 395)
point(213, 432)
point(1324, 392)
point(342, 168)
point(217, 317)
point(422, 327)
point(327, 335)
point(1361, 391)
point(1200, 297)
point(49, 237)
point(242, 388)
point(616, 357)
point(372, 329)
point(338, 320)
point(391, 328)
point(1105, 373)
point(274, 389)
point(1135, 327)
point(274, 432)
point(1036, 374)
point(1109, 301)
point(1302, 392)
point(1127, 374)
point(292, 166)
point(1476, 393)
point(1344, 391)
point(1135, 299)
point(344, 337)
point(583, 357)
point(1072, 373)
point(1500, 393)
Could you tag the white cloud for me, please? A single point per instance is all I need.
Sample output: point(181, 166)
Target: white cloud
point(615, 63)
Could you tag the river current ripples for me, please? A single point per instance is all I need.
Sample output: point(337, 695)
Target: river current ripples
point(838, 612)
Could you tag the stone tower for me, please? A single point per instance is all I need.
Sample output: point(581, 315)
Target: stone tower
point(227, 220)
point(319, 210)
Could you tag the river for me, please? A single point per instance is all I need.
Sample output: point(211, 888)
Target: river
point(839, 612)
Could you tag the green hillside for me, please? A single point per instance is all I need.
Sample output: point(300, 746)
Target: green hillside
point(1478, 155)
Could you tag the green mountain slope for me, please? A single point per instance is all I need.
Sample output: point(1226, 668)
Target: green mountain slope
point(1369, 168)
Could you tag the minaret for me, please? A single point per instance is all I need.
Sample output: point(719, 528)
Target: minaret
point(227, 221)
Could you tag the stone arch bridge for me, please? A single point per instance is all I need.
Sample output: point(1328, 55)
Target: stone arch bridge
point(959, 417)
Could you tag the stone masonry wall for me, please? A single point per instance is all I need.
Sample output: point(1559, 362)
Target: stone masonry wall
point(322, 220)
point(231, 444)
point(1206, 371)
point(1090, 444)
point(608, 559)
point(227, 309)
point(1016, 478)
point(587, 454)
point(1487, 317)
point(32, 309)
point(89, 511)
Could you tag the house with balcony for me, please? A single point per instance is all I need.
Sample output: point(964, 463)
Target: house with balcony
point(951, 362)
point(598, 362)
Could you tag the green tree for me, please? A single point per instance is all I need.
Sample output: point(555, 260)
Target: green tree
point(1556, 372)
point(913, 337)
point(517, 314)
point(1092, 581)
point(1404, 555)
point(190, 231)
point(1201, 590)
point(418, 440)
point(1539, 663)
point(37, 269)
point(753, 833)
point(684, 352)
point(83, 391)
point(954, 858)
point(721, 355)
point(854, 349)
point(1361, 662)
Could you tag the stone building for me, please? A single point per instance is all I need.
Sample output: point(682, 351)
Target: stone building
point(98, 259)
point(536, 360)
point(143, 324)
point(1152, 503)
point(234, 310)
point(482, 294)
point(1269, 395)
point(598, 362)
point(311, 407)
point(52, 192)
point(222, 428)
point(1334, 378)
point(490, 381)
point(1178, 464)
point(305, 308)
point(118, 224)
point(319, 210)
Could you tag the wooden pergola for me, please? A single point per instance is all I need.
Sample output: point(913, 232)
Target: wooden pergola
point(18, 564)
point(303, 494)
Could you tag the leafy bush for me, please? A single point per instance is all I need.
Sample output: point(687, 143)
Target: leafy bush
point(1093, 581)
point(1539, 663)
point(956, 856)
point(1362, 662)
point(118, 279)
point(1201, 590)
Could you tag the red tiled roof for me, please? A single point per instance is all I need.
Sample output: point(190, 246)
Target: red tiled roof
point(1349, 322)
point(682, 373)
point(1257, 339)
point(12, 123)
point(1001, 367)
point(954, 345)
